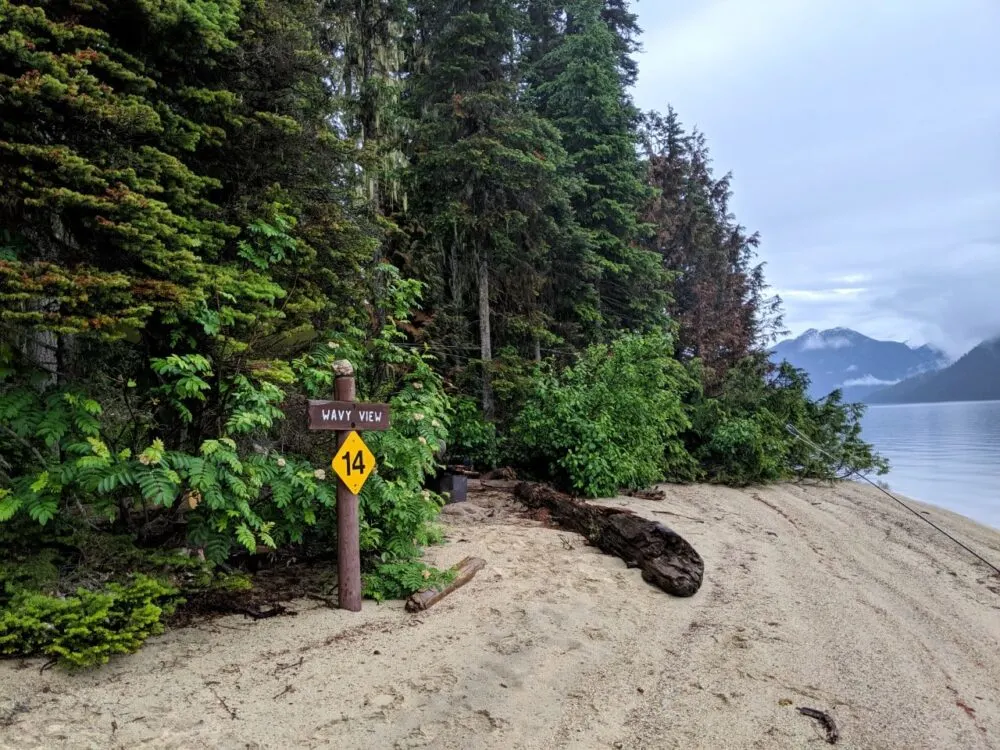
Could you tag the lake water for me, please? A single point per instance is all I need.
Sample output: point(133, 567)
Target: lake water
point(944, 454)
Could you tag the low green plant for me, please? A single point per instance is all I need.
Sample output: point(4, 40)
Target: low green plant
point(204, 458)
point(86, 628)
point(612, 420)
point(741, 437)
point(471, 437)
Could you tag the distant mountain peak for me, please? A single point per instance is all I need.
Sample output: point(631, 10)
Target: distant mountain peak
point(842, 358)
point(833, 338)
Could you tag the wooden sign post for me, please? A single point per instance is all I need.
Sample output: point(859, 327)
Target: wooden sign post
point(353, 463)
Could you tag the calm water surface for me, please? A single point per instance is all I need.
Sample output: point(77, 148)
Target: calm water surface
point(945, 454)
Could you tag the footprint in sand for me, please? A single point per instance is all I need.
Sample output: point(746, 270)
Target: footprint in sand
point(467, 723)
point(596, 634)
point(512, 644)
point(378, 704)
point(434, 682)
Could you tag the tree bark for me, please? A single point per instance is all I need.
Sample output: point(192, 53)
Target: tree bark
point(664, 556)
point(485, 343)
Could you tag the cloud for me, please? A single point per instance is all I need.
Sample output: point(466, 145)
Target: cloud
point(815, 341)
point(852, 278)
point(868, 380)
point(820, 295)
point(863, 141)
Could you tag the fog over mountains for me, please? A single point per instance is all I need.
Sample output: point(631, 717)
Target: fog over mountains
point(973, 377)
point(860, 366)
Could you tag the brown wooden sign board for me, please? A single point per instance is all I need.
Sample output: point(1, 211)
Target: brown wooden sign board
point(348, 415)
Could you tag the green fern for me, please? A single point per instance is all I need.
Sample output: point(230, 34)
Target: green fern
point(159, 486)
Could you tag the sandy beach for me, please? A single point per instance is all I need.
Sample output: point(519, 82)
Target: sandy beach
point(827, 597)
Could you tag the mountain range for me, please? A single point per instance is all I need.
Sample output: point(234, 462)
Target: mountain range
point(973, 377)
point(891, 372)
point(858, 365)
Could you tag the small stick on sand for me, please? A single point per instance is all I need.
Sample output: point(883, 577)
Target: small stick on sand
point(832, 735)
point(464, 572)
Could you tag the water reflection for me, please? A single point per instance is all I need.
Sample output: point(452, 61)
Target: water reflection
point(945, 454)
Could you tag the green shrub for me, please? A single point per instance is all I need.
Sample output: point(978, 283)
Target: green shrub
point(87, 628)
point(742, 437)
point(397, 512)
point(472, 438)
point(613, 420)
point(114, 469)
point(741, 451)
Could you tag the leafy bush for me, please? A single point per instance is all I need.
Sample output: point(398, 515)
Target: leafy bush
point(611, 420)
point(471, 437)
point(742, 436)
point(397, 512)
point(144, 464)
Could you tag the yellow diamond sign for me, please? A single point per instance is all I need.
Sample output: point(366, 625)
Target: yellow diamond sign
point(353, 463)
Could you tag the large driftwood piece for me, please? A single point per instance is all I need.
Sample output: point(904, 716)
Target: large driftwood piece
point(464, 573)
point(665, 557)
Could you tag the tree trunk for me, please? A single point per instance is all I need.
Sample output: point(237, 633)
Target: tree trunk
point(42, 349)
point(485, 343)
point(665, 557)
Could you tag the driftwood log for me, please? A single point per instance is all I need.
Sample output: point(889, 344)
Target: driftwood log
point(664, 556)
point(464, 572)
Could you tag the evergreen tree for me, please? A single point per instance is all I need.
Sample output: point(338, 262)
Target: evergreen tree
point(366, 43)
point(579, 88)
point(624, 24)
point(177, 228)
point(487, 173)
point(718, 292)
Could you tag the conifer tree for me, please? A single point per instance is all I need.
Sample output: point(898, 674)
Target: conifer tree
point(578, 86)
point(105, 223)
point(718, 291)
point(488, 176)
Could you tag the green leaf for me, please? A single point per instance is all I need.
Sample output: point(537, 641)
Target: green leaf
point(246, 537)
point(43, 508)
point(40, 483)
point(9, 505)
point(158, 487)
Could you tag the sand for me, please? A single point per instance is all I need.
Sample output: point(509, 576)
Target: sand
point(826, 597)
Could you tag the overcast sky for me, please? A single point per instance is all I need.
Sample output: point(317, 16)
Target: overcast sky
point(864, 138)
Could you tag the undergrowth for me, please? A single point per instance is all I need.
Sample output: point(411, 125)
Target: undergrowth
point(628, 415)
point(207, 461)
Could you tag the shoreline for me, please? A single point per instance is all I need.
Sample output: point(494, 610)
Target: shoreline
point(926, 505)
point(833, 598)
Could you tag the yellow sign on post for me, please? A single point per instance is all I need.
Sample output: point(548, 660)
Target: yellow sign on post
point(353, 463)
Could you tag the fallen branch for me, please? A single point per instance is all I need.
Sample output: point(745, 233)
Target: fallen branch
point(665, 557)
point(647, 494)
point(222, 702)
point(464, 572)
point(832, 735)
point(259, 614)
point(290, 665)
